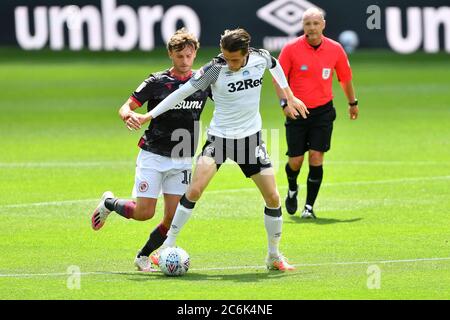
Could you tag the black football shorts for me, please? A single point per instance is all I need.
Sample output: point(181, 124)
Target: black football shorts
point(249, 153)
point(312, 133)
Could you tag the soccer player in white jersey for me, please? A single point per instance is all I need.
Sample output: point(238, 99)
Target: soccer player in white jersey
point(235, 78)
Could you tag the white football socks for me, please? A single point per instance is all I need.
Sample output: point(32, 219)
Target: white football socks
point(182, 215)
point(273, 228)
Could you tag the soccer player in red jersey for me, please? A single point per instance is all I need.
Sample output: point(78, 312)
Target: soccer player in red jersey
point(309, 62)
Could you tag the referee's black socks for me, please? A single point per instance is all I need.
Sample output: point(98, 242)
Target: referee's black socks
point(292, 177)
point(313, 184)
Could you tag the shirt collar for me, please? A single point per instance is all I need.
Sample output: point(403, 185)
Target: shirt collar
point(179, 78)
point(308, 46)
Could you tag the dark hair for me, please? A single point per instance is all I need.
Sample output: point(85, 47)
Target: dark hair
point(181, 39)
point(234, 40)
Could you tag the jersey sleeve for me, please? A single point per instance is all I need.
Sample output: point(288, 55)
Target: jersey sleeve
point(145, 91)
point(279, 76)
point(270, 61)
point(343, 70)
point(206, 75)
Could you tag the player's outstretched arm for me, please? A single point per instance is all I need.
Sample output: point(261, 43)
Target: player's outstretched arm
point(128, 116)
point(295, 106)
point(169, 102)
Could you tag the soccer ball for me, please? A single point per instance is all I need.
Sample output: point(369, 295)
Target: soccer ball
point(174, 261)
point(349, 40)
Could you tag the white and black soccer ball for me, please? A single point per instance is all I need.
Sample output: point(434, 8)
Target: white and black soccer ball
point(174, 261)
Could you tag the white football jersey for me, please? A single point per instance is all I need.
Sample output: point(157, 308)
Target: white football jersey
point(236, 94)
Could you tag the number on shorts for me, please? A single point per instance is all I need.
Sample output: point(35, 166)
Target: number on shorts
point(186, 177)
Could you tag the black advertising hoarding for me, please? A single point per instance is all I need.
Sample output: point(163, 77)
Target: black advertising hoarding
point(403, 26)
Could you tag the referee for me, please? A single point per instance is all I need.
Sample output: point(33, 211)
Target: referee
point(309, 62)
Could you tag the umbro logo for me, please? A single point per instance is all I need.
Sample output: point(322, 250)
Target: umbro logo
point(286, 15)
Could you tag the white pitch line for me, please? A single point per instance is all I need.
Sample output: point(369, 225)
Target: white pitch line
point(401, 180)
point(348, 183)
point(61, 274)
point(49, 203)
point(330, 184)
point(386, 162)
point(63, 164)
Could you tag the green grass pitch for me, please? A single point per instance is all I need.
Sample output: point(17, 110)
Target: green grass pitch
point(383, 226)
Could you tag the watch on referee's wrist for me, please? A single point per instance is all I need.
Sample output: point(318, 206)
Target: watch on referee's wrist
point(354, 103)
point(283, 103)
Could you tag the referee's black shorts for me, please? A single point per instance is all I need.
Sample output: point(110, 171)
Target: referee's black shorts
point(249, 153)
point(313, 133)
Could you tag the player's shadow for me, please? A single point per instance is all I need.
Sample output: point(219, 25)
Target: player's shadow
point(250, 277)
point(319, 220)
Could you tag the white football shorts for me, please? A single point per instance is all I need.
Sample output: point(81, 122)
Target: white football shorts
point(156, 175)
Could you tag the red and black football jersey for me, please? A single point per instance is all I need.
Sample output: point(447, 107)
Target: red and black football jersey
point(174, 133)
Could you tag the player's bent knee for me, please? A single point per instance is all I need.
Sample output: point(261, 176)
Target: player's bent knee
point(315, 158)
point(143, 217)
point(143, 214)
point(295, 163)
point(273, 200)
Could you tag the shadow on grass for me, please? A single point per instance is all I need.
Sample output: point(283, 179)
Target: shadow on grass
point(320, 221)
point(251, 276)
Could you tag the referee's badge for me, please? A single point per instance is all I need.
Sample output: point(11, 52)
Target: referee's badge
point(326, 72)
